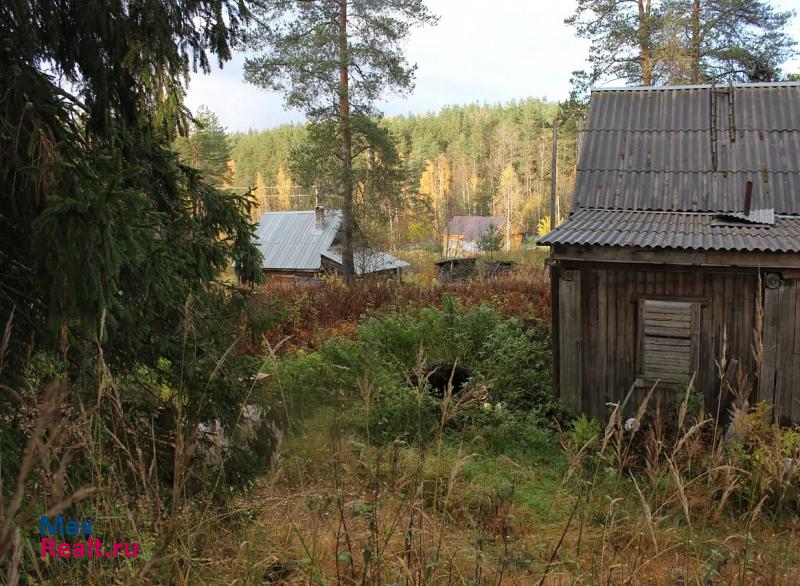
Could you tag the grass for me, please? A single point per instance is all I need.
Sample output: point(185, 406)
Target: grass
point(359, 493)
point(479, 516)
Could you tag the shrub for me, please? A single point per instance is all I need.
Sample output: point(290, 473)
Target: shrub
point(515, 365)
point(376, 374)
point(522, 435)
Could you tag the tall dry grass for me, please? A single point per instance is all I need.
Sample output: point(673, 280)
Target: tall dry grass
point(89, 455)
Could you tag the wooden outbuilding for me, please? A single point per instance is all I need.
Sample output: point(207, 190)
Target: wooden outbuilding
point(682, 249)
point(455, 270)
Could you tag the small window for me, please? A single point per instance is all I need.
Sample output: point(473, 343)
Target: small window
point(668, 340)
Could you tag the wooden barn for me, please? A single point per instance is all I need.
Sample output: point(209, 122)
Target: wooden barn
point(303, 247)
point(682, 246)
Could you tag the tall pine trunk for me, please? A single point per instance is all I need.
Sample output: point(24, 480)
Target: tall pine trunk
point(346, 133)
point(645, 42)
point(695, 56)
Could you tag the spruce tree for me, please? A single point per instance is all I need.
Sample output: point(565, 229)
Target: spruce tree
point(206, 148)
point(104, 233)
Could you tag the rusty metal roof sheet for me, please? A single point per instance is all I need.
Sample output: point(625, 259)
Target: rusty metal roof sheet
point(674, 230)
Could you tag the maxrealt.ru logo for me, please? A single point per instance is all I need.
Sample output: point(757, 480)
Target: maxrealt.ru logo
point(85, 544)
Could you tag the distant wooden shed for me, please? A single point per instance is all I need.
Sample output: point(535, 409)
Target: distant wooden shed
point(453, 270)
point(684, 231)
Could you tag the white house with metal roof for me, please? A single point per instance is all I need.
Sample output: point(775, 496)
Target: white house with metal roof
point(304, 247)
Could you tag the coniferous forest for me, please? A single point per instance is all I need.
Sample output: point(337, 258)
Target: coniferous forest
point(460, 161)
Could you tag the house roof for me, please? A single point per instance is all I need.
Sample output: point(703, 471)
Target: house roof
point(366, 260)
point(473, 227)
point(687, 150)
point(677, 230)
point(291, 241)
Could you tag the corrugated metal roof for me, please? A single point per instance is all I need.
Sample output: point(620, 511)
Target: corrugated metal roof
point(658, 164)
point(291, 241)
point(676, 230)
point(367, 260)
point(661, 88)
point(473, 227)
point(652, 148)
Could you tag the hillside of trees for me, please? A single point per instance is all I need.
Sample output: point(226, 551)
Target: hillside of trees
point(473, 159)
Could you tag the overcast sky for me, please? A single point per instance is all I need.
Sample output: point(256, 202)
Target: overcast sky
point(481, 51)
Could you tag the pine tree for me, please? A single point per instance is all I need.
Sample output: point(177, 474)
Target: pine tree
point(376, 170)
point(734, 40)
point(652, 42)
point(621, 33)
point(334, 59)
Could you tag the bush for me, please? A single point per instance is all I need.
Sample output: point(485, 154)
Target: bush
point(301, 383)
point(376, 373)
point(521, 435)
point(515, 366)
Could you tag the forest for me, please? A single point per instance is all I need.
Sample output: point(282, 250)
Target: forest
point(464, 160)
point(187, 419)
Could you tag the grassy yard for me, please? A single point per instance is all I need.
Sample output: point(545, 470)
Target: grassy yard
point(394, 483)
point(412, 437)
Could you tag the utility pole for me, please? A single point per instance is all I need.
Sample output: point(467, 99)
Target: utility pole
point(508, 218)
point(554, 211)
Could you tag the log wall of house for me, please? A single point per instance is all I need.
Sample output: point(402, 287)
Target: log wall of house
point(598, 328)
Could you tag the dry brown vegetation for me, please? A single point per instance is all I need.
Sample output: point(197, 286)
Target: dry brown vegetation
point(310, 314)
point(488, 497)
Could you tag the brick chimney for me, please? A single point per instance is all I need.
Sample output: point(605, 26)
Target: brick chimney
point(319, 212)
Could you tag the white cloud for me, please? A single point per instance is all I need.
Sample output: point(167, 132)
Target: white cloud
point(479, 52)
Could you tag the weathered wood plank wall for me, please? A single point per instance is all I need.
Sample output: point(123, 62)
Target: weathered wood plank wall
point(780, 369)
point(607, 339)
point(570, 340)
